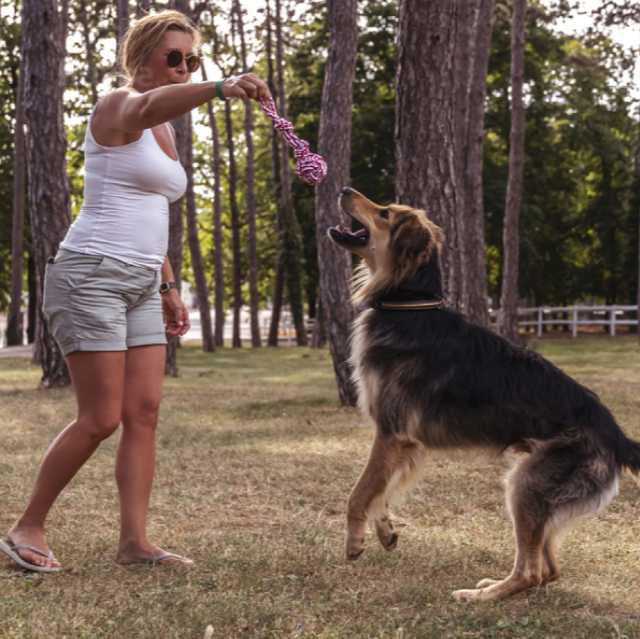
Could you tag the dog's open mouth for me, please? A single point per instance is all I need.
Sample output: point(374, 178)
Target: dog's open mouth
point(347, 236)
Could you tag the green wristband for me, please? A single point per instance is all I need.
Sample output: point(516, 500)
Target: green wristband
point(219, 91)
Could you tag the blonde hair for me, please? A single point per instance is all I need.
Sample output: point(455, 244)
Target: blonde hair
point(145, 35)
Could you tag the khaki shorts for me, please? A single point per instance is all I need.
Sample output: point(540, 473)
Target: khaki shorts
point(98, 303)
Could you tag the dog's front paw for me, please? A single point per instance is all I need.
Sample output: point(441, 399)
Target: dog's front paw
point(384, 530)
point(485, 583)
point(355, 547)
point(467, 595)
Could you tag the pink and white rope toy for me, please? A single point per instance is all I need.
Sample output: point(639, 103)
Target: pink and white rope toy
point(310, 167)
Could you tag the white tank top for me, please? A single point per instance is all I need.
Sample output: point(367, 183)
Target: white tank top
point(127, 190)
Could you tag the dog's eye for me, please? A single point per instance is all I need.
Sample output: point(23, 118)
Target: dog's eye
point(384, 214)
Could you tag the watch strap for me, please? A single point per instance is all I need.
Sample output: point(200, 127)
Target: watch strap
point(165, 287)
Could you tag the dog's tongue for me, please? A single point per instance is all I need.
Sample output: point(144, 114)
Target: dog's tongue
point(359, 233)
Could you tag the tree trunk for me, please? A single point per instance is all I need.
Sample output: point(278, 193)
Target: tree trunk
point(49, 199)
point(197, 263)
point(32, 308)
point(64, 21)
point(425, 123)
point(291, 237)
point(319, 337)
point(235, 229)
point(251, 199)
point(123, 18)
point(334, 145)
point(638, 297)
point(474, 246)
point(217, 225)
point(89, 46)
point(176, 209)
point(463, 56)
point(142, 8)
point(174, 251)
point(276, 177)
point(15, 327)
point(509, 297)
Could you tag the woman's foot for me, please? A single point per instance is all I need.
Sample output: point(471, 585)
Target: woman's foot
point(148, 554)
point(23, 535)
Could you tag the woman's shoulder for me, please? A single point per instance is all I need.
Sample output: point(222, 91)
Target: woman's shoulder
point(117, 95)
point(111, 118)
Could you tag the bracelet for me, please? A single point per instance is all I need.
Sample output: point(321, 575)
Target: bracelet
point(219, 90)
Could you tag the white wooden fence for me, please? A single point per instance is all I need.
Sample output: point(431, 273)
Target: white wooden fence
point(610, 316)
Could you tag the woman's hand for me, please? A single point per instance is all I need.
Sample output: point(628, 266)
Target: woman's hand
point(245, 86)
point(176, 317)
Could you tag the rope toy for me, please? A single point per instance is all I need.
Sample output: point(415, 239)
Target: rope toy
point(311, 168)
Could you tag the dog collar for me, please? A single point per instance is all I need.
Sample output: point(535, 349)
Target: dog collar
point(412, 305)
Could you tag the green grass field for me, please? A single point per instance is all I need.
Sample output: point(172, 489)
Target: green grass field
point(254, 468)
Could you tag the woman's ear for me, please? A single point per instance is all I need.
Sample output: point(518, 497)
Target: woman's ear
point(410, 241)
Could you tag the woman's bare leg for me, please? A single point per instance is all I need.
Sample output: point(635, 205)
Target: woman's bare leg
point(98, 381)
point(135, 460)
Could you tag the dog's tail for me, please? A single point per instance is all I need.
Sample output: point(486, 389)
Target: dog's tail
point(631, 456)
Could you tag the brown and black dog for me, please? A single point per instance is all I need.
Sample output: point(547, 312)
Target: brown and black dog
point(430, 379)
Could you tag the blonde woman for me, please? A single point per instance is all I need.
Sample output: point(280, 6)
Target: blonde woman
point(110, 284)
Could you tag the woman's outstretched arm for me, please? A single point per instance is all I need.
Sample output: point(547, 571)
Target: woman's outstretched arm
point(131, 111)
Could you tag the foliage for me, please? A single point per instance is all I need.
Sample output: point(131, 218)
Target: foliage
point(9, 64)
point(580, 139)
point(579, 219)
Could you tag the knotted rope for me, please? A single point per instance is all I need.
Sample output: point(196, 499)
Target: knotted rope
point(310, 167)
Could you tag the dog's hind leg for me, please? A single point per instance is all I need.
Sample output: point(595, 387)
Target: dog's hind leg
point(550, 567)
point(390, 463)
point(547, 495)
point(529, 519)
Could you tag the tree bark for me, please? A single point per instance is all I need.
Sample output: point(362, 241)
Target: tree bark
point(334, 145)
point(425, 124)
point(509, 296)
point(235, 231)
point(197, 263)
point(89, 46)
point(251, 199)
point(291, 244)
point(123, 18)
point(476, 293)
point(319, 337)
point(174, 251)
point(638, 296)
point(276, 177)
point(463, 57)
point(176, 209)
point(49, 199)
point(15, 326)
point(32, 308)
point(142, 8)
point(218, 255)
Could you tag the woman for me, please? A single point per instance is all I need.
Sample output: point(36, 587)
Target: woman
point(111, 282)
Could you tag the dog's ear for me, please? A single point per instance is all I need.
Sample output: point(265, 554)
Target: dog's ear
point(410, 238)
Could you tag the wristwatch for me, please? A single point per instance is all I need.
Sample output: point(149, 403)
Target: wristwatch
point(165, 287)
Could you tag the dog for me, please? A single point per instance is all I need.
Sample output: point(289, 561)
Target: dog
point(430, 379)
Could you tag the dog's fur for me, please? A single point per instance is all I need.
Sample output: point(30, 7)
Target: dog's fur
point(431, 379)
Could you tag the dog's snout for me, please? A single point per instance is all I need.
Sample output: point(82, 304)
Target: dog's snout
point(346, 191)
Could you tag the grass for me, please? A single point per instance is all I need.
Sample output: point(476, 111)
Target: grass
point(254, 467)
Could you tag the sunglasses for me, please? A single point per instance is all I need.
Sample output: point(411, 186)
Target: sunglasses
point(174, 59)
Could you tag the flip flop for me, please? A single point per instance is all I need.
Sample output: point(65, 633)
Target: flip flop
point(11, 552)
point(155, 560)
